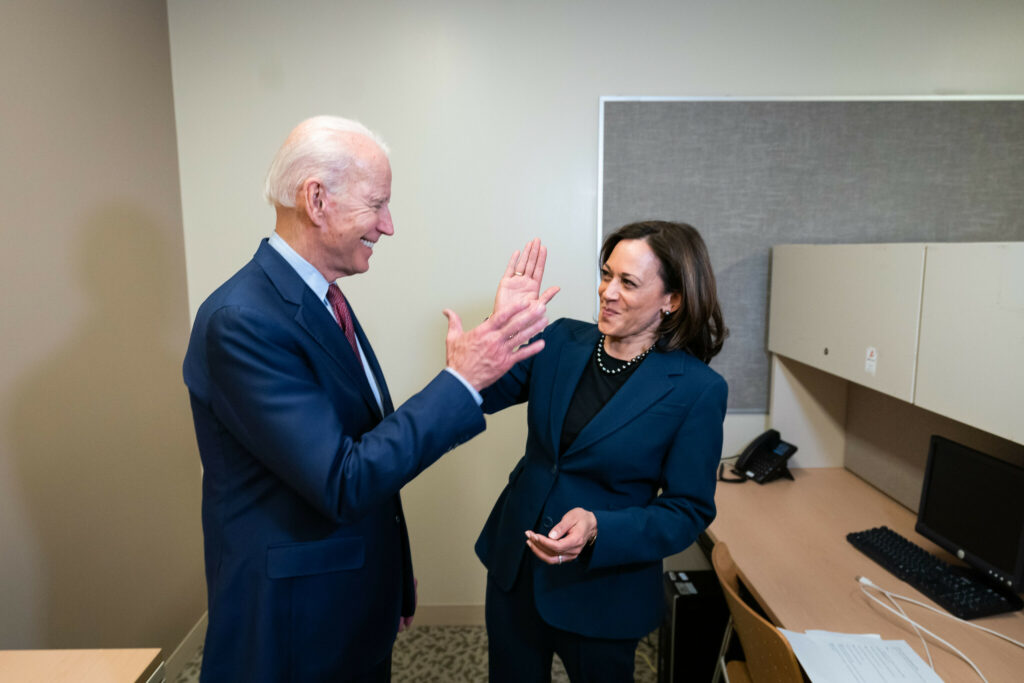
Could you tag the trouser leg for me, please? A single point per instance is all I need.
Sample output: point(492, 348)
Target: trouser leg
point(519, 645)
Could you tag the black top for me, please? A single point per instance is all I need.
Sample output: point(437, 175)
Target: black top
point(595, 388)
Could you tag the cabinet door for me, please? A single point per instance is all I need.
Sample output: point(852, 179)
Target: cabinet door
point(851, 310)
point(971, 357)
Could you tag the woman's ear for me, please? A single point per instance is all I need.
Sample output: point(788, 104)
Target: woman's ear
point(674, 300)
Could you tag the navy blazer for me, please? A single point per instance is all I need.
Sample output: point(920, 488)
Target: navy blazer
point(662, 431)
point(307, 553)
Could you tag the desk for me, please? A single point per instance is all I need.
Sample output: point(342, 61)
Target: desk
point(788, 539)
point(81, 666)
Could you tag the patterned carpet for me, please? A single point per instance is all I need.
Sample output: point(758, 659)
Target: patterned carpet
point(457, 654)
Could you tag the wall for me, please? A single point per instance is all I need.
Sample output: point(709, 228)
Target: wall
point(887, 442)
point(100, 544)
point(491, 111)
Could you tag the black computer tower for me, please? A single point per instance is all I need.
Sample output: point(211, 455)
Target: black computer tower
point(690, 636)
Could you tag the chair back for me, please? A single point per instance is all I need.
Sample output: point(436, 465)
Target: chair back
point(770, 657)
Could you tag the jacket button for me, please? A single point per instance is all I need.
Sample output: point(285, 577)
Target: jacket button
point(554, 469)
point(547, 522)
point(398, 520)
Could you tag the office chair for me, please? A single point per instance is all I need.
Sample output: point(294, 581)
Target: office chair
point(770, 657)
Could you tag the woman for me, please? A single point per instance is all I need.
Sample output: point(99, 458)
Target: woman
point(625, 433)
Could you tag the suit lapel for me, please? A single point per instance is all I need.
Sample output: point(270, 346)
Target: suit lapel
point(312, 316)
point(649, 383)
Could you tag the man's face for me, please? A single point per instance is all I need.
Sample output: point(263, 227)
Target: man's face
point(357, 216)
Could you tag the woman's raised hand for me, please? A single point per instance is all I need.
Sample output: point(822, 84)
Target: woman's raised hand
point(522, 279)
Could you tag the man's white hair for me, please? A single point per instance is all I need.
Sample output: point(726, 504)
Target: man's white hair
point(314, 148)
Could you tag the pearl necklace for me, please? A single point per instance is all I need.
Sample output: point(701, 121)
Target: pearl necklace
point(631, 361)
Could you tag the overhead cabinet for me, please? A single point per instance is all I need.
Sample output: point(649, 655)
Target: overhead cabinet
point(850, 310)
point(937, 325)
point(970, 362)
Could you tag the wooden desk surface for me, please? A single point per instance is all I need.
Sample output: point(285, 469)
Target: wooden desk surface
point(789, 542)
point(81, 666)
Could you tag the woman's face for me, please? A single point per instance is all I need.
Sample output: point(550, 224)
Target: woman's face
point(632, 294)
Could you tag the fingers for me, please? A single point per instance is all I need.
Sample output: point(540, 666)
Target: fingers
point(534, 329)
point(550, 558)
point(533, 250)
point(499, 320)
point(561, 529)
point(569, 543)
point(549, 551)
point(511, 269)
point(527, 321)
point(525, 263)
point(573, 521)
point(524, 352)
point(454, 323)
point(538, 270)
point(521, 336)
point(549, 294)
point(566, 540)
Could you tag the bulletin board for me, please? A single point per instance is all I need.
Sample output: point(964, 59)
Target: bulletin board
point(750, 174)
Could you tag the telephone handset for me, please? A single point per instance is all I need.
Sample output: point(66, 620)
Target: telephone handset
point(764, 459)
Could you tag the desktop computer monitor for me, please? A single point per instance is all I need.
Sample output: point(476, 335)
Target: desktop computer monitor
point(972, 504)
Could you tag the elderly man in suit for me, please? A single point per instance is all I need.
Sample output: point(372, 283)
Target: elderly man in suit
point(307, 555)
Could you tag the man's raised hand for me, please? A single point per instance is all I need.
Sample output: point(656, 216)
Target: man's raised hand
point(490, 349)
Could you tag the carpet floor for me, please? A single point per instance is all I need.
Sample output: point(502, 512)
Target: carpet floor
point(457, 654)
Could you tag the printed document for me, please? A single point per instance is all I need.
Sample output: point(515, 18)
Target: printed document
point(829, 657)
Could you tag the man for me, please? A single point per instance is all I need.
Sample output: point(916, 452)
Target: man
point(307, 555)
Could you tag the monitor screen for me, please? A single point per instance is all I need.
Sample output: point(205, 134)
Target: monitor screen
point(972, 504)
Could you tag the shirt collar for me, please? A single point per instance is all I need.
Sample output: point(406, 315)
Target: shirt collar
point(310, 275)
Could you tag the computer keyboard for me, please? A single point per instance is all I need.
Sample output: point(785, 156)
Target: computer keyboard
point(955, 588)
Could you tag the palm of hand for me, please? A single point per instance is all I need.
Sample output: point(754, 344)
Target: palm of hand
point(521, 281)
point(516, 289)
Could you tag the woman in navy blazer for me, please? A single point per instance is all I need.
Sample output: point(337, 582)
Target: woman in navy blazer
point(625, 433)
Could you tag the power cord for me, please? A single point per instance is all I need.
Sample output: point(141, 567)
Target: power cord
point(866, 583)
point(731, 480)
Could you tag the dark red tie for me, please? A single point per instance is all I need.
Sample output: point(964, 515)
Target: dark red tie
point(340, 306)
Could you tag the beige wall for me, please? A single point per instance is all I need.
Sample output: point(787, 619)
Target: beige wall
point(100, 544)
point(491, 109)
point(887, 442)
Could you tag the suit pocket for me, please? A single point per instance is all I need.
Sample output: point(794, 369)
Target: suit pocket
point(677, 410)
point(288, 560)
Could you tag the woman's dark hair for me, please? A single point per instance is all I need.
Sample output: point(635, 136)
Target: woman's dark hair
point(696, 326)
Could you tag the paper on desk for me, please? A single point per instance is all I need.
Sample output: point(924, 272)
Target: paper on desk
point(829, 657)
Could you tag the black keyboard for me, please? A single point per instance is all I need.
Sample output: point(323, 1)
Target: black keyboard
point(957, 589)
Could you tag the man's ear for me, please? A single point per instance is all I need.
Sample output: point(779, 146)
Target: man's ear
point(313, 196)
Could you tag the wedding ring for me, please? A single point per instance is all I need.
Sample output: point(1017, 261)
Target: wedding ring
point(518, 273)
point(559, 559)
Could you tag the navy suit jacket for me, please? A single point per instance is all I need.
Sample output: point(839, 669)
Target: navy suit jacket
point(661, 431)
point(307, 553)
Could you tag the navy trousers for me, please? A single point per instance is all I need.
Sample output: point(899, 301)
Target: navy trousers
point(520, 644)
point(379, 673)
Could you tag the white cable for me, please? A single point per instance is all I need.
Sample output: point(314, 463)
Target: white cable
point(924, 642)
point(864, 581)
point(867, 582)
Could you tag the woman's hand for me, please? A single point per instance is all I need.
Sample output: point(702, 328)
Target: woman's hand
point(522, 278)
point(567, 539)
